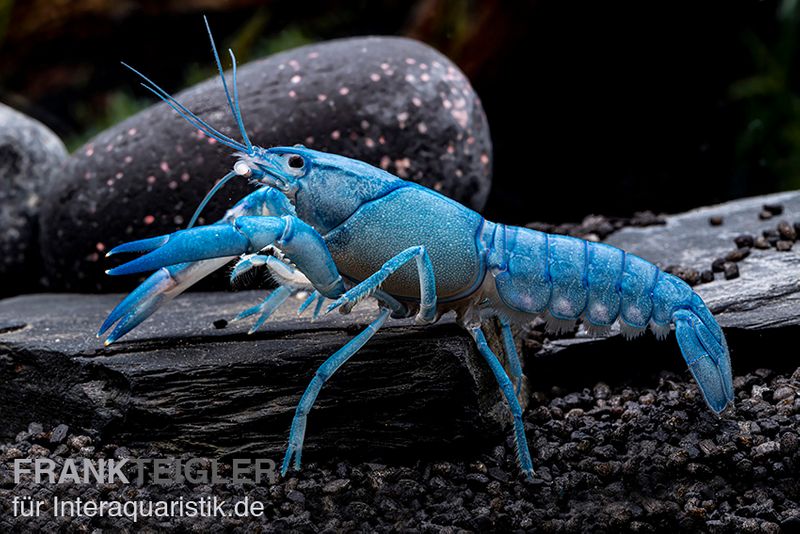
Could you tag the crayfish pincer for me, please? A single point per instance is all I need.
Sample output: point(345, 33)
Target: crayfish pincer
point(350, 231)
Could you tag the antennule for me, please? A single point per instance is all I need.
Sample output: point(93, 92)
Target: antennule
point(234, 108)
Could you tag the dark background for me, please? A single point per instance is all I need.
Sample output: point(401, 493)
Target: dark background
point(594, 107)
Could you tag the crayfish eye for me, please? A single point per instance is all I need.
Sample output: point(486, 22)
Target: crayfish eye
point(296, 162)
point(242, 169)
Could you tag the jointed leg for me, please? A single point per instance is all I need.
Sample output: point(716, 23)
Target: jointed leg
point(290, 281)
point(266, 308)
point(297, 434)
point(427, 283)
point(511, 353)
point(523, 454)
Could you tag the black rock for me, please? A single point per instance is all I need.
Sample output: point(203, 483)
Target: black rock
point(744, 241)
point(787, 231)
point(687, 274)
point(178, 383)
point(737, 255)
point(59, 433)
point(771, 235)
point(718, 265)
point(761, 243)
point(668, 464)
point(393, 102)
point(30, 164)
point(731, 270)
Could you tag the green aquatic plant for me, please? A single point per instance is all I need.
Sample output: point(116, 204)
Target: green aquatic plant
point(768, 147)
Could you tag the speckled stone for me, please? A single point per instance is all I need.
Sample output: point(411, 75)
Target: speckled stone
point(393, 102)
point(30, 158)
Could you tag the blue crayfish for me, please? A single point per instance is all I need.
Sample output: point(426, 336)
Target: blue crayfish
point(351, 231)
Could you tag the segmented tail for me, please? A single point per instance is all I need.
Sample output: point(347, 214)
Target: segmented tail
point(706, 352)
point(564, 278)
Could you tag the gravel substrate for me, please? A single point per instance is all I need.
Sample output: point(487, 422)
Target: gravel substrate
point(598, 227)
point(642, 455)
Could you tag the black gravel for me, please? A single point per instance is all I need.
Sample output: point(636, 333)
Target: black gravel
point(761, 243)
point(738, 254)
point(744, 240)
point(787, 231)
point(644, 456)
point(773, 209)
point(731, 270)
point(687, 274)
point(598, 227)
point(782, 238)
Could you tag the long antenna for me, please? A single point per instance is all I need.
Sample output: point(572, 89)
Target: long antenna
point(236, 103)
point(190, 117)
point(234, 108)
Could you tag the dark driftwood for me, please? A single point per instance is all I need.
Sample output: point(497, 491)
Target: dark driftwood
point(180, 384)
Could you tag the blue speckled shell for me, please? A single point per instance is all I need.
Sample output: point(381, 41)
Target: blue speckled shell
point(638, 281)
point(605, 266)
point(404, 218)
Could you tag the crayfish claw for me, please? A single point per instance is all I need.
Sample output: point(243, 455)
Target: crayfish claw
point(308, 302)
point(318, 307)
point(269, 306)
point(266, 308)
point(204, 242)
point(138, 305)
point(244, 265)
point(142, 245)
point(159, 288)
point(247, 313)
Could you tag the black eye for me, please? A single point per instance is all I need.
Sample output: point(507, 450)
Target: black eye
point(296, 162)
